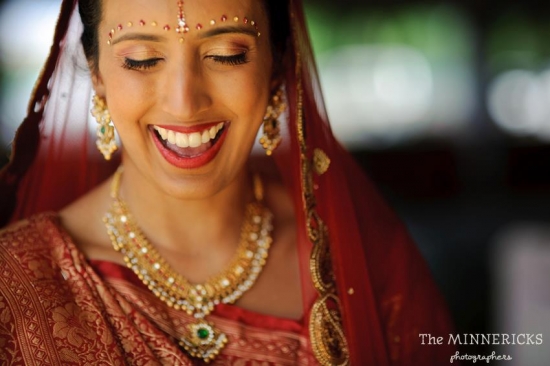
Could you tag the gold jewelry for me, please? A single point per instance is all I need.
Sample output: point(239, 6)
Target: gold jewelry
point(202, 339)
point(106, 142)
point(271, 137)
point(321, 162)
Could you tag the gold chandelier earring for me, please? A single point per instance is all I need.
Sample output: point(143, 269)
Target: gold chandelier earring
point(106, 142)
point(271, 137)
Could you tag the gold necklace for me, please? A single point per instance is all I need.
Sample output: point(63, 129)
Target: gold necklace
point(202, 339)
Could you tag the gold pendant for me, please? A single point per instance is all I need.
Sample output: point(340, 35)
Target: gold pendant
point(203, 340)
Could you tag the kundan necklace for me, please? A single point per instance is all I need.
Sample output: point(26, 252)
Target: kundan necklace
point(201, 338)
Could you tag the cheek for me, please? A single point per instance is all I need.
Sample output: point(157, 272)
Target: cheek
point(125, 112)
point(251, 104)
point(250, 95)
point(127, 97)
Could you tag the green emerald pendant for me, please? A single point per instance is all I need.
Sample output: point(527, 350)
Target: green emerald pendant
point(203, 333)
point(203, 340)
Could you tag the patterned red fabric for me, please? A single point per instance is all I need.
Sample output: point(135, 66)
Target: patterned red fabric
point(57, 308)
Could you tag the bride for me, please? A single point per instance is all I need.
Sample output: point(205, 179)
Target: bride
point(183, 246)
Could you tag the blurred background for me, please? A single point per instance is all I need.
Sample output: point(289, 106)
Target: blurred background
point(446, 105)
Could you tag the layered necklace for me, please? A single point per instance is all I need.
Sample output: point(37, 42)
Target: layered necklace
point(201, 338)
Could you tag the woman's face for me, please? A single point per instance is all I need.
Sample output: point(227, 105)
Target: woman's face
point(187, 105)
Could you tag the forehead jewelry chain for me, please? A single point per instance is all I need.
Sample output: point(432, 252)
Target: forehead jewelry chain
point(201, 339)
point(182, 26)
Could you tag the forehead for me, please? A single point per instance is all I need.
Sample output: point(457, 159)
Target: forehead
point(184, 18)
point(166, 11)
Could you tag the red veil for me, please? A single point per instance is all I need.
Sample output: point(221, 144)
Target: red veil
point(374, 294)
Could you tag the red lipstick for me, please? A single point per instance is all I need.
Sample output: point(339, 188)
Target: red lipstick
point(194, 161)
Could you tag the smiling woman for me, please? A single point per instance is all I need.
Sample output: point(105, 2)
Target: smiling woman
point(184, 83)
point(195, 249)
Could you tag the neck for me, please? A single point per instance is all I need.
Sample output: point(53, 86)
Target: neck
point(191, 227)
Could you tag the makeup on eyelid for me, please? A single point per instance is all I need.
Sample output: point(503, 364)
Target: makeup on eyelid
point(232, 60)
point(140, 57)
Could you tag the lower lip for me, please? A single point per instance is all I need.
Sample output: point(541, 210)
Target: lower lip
point(190, 162)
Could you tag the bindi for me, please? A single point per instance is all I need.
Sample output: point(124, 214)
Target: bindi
point(182, 27)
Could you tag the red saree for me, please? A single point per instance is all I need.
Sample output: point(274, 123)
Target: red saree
point(58, 308)
point(373, 293)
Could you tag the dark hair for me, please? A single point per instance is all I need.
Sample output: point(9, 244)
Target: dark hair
point(277, 13)
point(90, 13)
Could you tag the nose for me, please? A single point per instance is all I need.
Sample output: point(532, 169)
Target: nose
point(185, 92)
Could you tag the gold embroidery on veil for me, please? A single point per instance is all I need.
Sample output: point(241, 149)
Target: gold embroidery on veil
point(328, 340)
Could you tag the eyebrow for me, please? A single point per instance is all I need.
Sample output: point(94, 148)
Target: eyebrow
point(139, 37)
point(228, 29)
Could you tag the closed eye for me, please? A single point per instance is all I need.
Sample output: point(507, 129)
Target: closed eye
point(140, 64)
point(232, 60)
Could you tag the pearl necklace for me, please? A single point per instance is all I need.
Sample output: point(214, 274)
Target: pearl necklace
point(202, 339)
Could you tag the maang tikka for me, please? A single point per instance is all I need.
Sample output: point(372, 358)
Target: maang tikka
point(106, 142)
point(271, 137)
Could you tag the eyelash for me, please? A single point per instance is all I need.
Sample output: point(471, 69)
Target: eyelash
point(232, 60)
point(142, 65)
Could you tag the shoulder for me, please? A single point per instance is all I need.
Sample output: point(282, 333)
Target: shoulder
point(29, 250)
point(34, 232)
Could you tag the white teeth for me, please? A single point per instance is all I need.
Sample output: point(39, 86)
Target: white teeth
point(163, 133)
point(213, 131)
point(205, 137)
point(194, 139)
point(182, 140)
point(171, 137)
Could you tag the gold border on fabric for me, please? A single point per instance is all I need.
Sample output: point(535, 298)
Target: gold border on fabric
point(327, 337)
point(328, 340)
